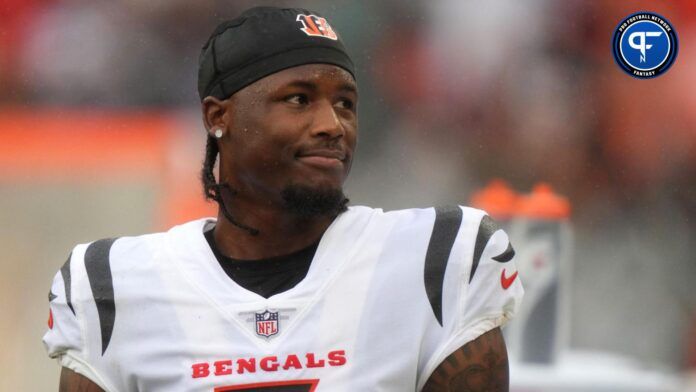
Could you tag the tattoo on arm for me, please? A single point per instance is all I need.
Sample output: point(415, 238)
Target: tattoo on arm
point(479, 366)
point(75, 382)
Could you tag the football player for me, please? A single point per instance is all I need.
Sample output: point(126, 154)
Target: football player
point(289, 289)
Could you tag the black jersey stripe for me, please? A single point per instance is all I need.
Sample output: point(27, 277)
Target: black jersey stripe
point(65, 272)
point(445, 229)
point(507, 255)
point(98, 269)
point(485, 231)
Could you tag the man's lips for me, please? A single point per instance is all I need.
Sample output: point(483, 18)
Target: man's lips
point(324, 153)
point(324, 158)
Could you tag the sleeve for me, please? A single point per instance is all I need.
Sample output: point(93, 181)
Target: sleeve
point(64, 339)
point(493, 290)
point(482, 289)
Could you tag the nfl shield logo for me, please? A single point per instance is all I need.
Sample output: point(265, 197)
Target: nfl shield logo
point(267, 323)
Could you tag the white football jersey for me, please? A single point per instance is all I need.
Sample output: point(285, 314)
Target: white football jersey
point(388, 296)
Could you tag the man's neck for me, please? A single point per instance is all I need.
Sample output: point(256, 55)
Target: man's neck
point(279, 233)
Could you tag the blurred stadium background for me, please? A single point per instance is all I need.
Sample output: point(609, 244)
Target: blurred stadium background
point(100, 135)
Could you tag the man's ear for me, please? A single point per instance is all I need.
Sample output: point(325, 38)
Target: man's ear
point(215, 114)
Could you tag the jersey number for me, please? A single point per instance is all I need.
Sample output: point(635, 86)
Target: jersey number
point(276, 386)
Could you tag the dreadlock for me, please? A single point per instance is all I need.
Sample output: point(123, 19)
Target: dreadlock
point(212, 190)
point(207, 176)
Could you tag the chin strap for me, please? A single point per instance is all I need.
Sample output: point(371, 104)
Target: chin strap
point(220, 200)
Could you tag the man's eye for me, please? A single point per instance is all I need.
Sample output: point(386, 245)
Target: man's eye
point(345, 104)
point(297, 99)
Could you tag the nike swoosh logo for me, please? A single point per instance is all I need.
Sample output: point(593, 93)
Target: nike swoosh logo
point(506, 281)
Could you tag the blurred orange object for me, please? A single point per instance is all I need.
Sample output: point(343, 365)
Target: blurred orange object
point(497, 198)
point(59, 145)
point(543, 203)
point(54, 144)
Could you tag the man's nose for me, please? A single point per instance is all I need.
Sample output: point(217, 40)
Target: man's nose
point(326, 122)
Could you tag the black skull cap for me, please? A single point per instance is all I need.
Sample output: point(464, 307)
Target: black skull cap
point(262, 41)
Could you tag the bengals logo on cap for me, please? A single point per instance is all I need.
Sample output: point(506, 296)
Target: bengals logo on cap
point(316, 26)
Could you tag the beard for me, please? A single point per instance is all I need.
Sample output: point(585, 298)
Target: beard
point(308, 202)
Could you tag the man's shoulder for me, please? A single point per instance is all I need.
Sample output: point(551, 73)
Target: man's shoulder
point(138, 248)
point(424, 215)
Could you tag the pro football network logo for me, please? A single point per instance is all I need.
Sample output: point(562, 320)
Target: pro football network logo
point(645, 45)
point(267, 323)
point(316, 26)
